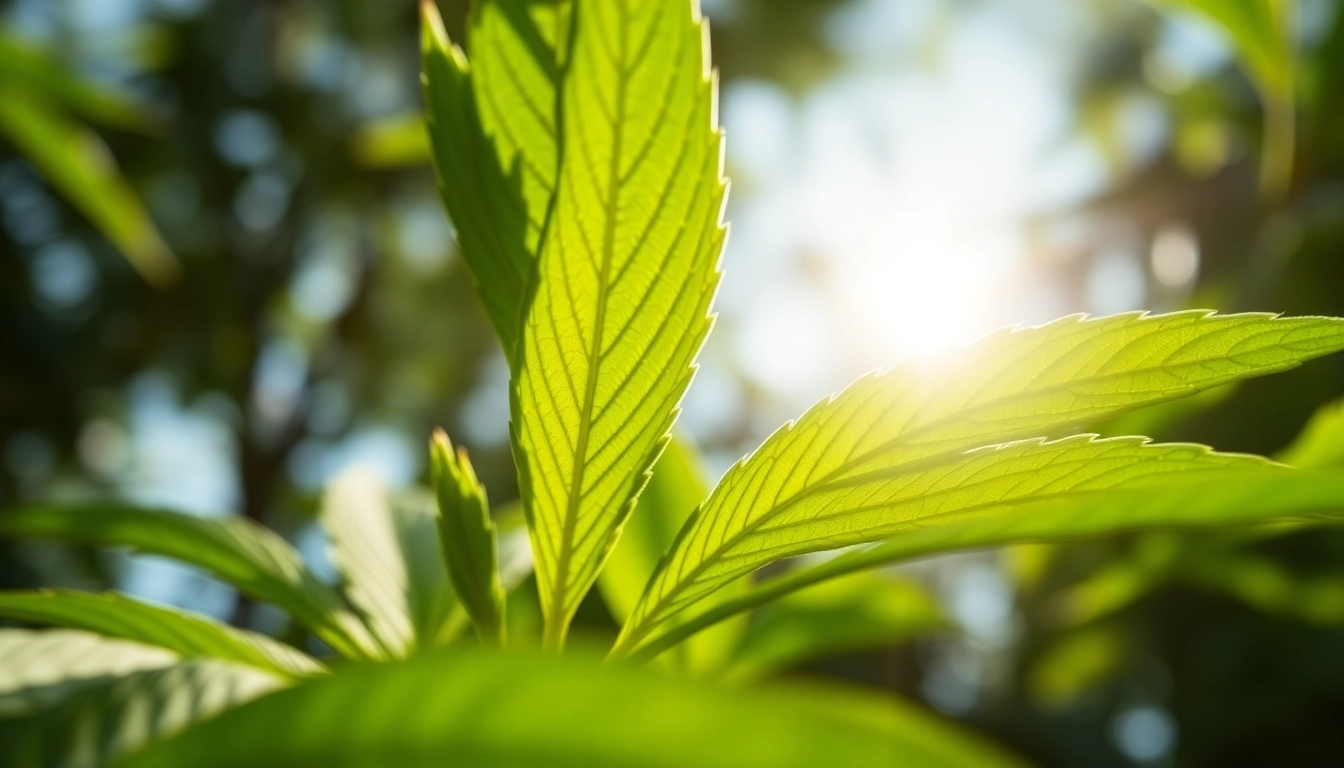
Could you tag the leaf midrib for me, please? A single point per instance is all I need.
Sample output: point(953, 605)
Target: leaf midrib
point(559, 599)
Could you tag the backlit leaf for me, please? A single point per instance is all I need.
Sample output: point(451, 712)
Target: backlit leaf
point(188, 636)
point(39, 668)
point(240, 552)
point(624, 282)
point(467, 537)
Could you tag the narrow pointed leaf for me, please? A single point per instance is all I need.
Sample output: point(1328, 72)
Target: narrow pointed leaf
point(1321, 442)
point(921, 416)
point(39, 668)
point(677, 487)
point(188, 636)
point(76, 162)
point(623, 287)
point(98, 723)
point(467, 537)
point(386, 552)
point(252, 558)
point(883, 502)
point(1207, 499)
point(856, 613)
point(492, 133)
point(524, 710)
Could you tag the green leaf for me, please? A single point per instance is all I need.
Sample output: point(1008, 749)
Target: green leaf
point(854, 613)
point(26, 65)
point(467, 537)
point(1075, 663)
point(240, 552)
point(828, 480)
point(76, 162)
point(677, 486)
point(624, 282)
point(186, 635)
point(492, 134)
point(38, 669)
point(1321, 442)
point(1175, 500)
point(98, 723)
point(521, 709)
point(387, 553)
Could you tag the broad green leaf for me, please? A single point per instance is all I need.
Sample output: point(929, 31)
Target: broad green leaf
point(677, 486)
point(467, 537)
point(1207, 499)
point(77, 163)
point(387, 553)
point(492, 132)
point(240, 552)
point(914, 423)
point(39, 668)
point(188, 636)
point(521, 710)
point(1321, 442)
point(96, 724)
point(626, 275)
point(855, 613)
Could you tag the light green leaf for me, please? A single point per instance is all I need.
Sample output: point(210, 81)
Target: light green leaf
point(912, 425)
point(1321, 442)
point(187, 635)
point(1075, 663)
point(387, 554)
point(77, 163)
point(522, 710)
point(467, 537)
point(677, 487)
point(1176, 500)
point(492, 134)
point(240, 552)
point(38, 669)
point(626, 276)
point(854, 613)
point(96, 724)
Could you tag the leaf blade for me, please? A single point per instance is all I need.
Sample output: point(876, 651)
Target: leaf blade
point(624, 282)
point(467, 536)
point(244, 554)
point(189, 636)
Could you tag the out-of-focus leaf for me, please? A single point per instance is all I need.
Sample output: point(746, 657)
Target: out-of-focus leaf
point(1075, 663)
point(388, 556)
point(188, 636)
point(1268, 586)
point(24, 65)
point(855, 613)
point(1179, 500)
point(1119, 583)
point(392, 142)
point(96, 724)
point(1263, 35)
point(242, 553)
point(1321, 442)
point(521, 710)
point(627, 271)
point(39, 668)
point(75, 161)
point(839, 474)
point(467, 537)
point(492, 133)
point(677, 487)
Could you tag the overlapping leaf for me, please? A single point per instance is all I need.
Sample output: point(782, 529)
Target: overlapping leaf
point(846, 471)
point(1208, 499)
point(39, 668)
point(492, 129)
point(98, 723)
point(252, 558)
point(522, 710)
point(626, 275)
point(188, 636)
